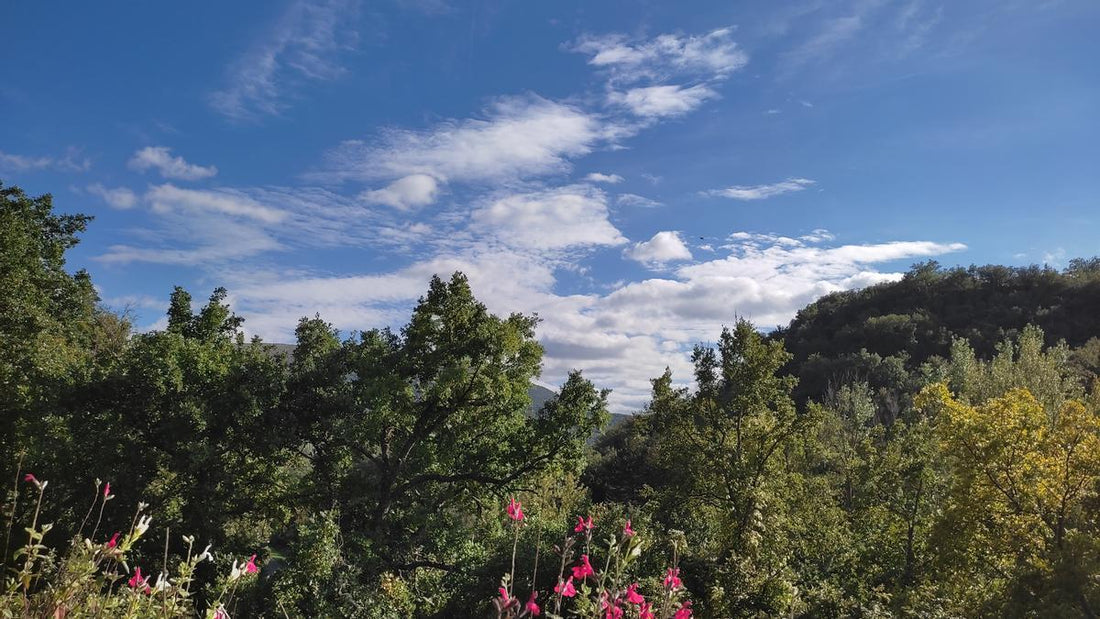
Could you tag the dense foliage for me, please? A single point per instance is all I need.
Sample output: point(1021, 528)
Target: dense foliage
point(929, 447)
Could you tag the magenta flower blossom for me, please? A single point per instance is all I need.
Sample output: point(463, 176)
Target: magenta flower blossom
point(111, 543)
point(137, 582)
point(584, 570)
point(645, 611)
point(515, 510)
point(583, 525)
point(505, 601)
point(633, 596)
point(672, 579)
point(250, 567)
point(627, 531)
point(531, 606)
point(29, 477)
point(107, 489)
point(566, 589)
point(612, 609)
point(684, 612)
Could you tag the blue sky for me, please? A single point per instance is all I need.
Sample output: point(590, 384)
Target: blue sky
point(638, 173)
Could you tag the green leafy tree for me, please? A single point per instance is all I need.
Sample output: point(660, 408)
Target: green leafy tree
point(47, 314)
point(722, 449)
point(417, 436)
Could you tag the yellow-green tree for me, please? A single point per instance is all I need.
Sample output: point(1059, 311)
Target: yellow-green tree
point(1022, 480)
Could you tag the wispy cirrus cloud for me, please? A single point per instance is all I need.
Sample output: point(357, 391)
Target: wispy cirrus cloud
point(634, 200)
point(516, 138)
point(640, 72)
point(304, 46)
point(761, 192)
point(711, 55)
point(72, 161)
point(116, 197)
point(160, 158)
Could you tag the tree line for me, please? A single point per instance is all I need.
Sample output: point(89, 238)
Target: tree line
point(894, 451)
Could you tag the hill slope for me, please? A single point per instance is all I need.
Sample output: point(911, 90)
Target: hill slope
point(916, 318)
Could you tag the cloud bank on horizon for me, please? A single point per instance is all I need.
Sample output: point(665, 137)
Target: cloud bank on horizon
point(637, 186)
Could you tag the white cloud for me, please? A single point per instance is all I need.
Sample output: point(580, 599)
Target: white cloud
point(72, 161)
point(833, 34)
point(519, 137)
point(405, 193)
point(621, 338)
point(169, 198)
point(161, 159)
point(599, 177)
point(662, 101)
point(22, 163)
point(302, 47)
point(710, 55)
point(118, 197)
point(760, 192)
point(634, 200)
point(573, 216)
point(664, 247)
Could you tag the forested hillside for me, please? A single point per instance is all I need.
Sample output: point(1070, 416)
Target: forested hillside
point(872, 332)
point(924, 448)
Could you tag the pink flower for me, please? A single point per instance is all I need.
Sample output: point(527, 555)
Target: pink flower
point(31, 478)
point(531, 606)
point(583, 525)
point(506, 601)
point(250, 567)
point(584, 570)
point(684, 612)
point(566, 588)
point(672, 579)
point(645, 611)
point(113, 541)
point(627, 531)
point(107, 489)
point(633, 596)
point(137, 582)
point(515, 510)
point(221, 614)
point(613, 609)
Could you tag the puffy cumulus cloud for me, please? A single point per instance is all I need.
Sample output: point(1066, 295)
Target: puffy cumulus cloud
point(405, 193)
point(620, 338)
point(666, 246)
point(599, 177)
point(303, 46)
point(161, 159)
point(551, 219)
point(662, 101)
point(118, 197)
point(761, 192)
point(519, 137)
point(713, 54)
